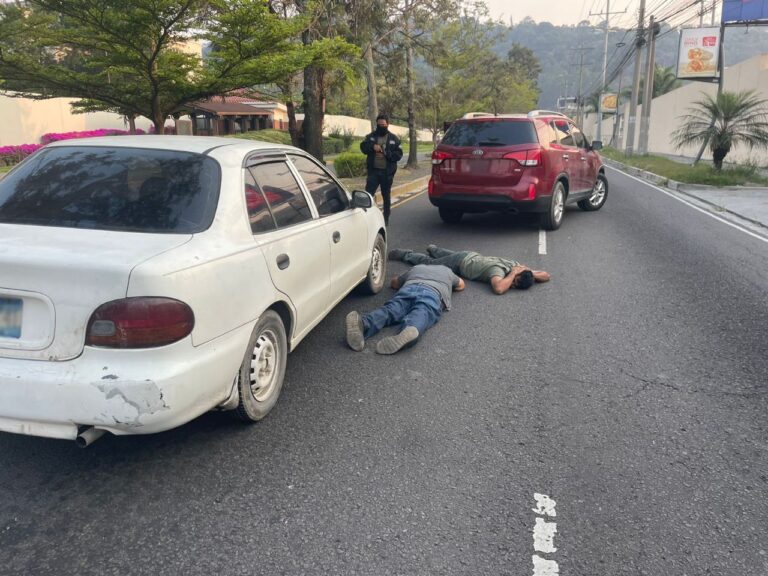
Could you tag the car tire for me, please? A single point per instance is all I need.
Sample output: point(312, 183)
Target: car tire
point(450, 216)
point(553, 217)
point(377, 269)
point(598, 196)
point(263, 369)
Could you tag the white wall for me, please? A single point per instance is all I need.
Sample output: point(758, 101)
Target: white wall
point(23, 121)
point(361, 127)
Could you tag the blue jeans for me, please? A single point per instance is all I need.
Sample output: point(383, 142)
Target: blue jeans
point(414, 305)
point(439, 256)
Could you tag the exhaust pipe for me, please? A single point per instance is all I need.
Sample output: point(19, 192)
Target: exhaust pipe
point(88, 436)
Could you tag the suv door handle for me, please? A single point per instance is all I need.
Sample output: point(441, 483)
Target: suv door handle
point(565, 156)
point(583, 158)
point(336, 237)
point(283, 261)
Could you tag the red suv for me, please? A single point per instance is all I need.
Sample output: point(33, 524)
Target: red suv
point(537, 162)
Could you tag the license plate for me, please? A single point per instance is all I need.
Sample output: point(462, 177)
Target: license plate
point(10, 317)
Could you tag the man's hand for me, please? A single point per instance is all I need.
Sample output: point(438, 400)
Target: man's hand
point(460, 286)
point(395, 283)
point(377, 149)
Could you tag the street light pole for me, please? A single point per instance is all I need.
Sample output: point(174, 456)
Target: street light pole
point(639, 41)
point(605, 60)
point(645, 118)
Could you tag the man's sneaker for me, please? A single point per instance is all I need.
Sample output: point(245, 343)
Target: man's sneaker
point(392, 344)
point(431, 250)
point(397, 254)
point(355, 337)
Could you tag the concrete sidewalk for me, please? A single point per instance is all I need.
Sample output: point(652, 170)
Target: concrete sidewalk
point(746, 203)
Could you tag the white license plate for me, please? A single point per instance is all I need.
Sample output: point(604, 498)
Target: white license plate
point(10, 317)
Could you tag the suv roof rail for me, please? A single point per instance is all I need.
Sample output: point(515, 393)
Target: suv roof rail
point(476, 114)
point(534, 113)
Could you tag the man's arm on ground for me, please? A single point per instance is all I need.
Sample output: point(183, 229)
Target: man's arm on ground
point(395, 283)
point(541, 276)
point(502, 284)
point(460, 285)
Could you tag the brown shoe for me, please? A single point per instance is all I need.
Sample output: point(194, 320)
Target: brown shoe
point(355, 338)
point(392, 344)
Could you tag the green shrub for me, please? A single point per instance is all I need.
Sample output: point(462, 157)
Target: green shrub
point(268, 135)
point(333, 146)
point(350, 165)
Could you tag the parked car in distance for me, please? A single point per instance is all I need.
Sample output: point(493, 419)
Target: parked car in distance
point(538, 162)
point(148, 279)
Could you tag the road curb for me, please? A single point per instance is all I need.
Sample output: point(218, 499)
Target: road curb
point(685, 189)
point(407, 190)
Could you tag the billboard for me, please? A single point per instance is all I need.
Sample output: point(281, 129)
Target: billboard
point(699, 53)
point(744, 10)
point(609, 103)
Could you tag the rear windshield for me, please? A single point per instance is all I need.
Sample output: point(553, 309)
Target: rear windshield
point(127, 189)
point(490, 133)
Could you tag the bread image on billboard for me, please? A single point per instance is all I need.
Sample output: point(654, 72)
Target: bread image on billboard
point(700, 60)
point(699, 53)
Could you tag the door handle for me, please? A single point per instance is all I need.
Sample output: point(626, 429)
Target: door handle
point(336, 237)
point(565, 156)
point(283, 261)
point(583, 158)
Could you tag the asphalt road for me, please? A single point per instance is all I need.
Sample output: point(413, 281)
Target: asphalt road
point(631, 390)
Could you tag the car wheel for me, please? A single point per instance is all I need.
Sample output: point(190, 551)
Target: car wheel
point(553, 217)
point(450, 216)
point(598, 196)
point(261, 374)
point(377, 270)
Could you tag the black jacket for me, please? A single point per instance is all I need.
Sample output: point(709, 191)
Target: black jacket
point(392, 151)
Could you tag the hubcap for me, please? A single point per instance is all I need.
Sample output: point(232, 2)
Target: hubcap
point(559, 205)
point(376, 265)
point(598, 192)
point(264, 365)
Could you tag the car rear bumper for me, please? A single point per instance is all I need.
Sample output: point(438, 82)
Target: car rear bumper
point(490, 203)
point(120, 391)
point(514, 199)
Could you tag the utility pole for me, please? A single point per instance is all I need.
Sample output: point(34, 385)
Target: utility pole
point(607, 15)
point(579, 96)
point(701, 15)
point(650, 71)
point(639, 41)
point(714, 6)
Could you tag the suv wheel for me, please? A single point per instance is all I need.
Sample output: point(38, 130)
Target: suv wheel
point(598, 196)
point(553, 217)
point(450, 216)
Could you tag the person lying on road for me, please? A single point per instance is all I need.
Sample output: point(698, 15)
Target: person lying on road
point(500, 273)
point(423, 293)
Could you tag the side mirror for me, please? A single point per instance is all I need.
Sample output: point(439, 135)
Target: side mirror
point(361, 199)
point(597, 144)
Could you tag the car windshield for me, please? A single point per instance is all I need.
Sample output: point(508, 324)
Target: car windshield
point(104, 188)
point(490, 133)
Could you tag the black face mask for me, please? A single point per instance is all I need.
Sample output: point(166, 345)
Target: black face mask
point(381, 130)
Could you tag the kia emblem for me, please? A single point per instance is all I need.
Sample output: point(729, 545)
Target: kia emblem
point(477, 152)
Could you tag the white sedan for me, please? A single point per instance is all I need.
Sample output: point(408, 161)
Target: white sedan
point(145, 280)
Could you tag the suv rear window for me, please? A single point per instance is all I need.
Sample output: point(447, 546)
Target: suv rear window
point(101, 188)
point(490, 133)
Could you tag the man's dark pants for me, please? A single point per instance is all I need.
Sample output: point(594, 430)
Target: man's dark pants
point(380, 178)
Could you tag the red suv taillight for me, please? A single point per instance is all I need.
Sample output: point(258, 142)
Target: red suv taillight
point(143, 322)
point(438, 156)
point(526, 157)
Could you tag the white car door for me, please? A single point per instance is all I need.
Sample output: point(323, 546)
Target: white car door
point(346, 227)
point(295, 244)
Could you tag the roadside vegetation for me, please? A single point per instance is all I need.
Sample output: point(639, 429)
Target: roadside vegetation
point(700, 174)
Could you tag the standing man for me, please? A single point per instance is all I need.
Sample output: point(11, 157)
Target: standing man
point(383, 151)
point(501, 273)
point(423, 293)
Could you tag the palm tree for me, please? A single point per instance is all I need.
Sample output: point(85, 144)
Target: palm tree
point(664, 80)
point(730, 119)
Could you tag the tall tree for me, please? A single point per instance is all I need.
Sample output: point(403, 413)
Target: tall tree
point(131, 57)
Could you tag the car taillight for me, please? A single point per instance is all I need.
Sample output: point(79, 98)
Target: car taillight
point(143, 322)
point(431, 186)
point(526, 157)
point(438, 156)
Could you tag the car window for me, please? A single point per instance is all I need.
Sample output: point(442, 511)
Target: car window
point(490, 133)
point(328, 196)
point(259, 213)
point(103, 188)
point(564, 132)
point(288, 204)
point(547, 132)
point(578, 137)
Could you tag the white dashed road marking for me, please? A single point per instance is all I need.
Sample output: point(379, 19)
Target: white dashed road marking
point(542, 242)
point(543, 536)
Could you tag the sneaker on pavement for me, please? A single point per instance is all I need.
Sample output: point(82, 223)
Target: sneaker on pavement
point(355, 337)
point(397, 254)
point(392, 344)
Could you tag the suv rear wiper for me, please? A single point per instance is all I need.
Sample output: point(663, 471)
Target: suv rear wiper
point(490, 143)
